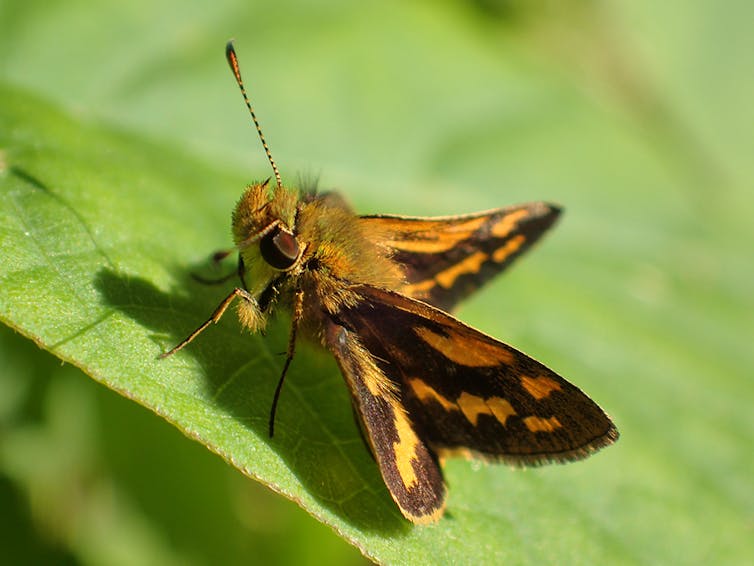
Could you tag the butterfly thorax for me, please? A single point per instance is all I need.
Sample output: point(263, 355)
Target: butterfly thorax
point(310, 243)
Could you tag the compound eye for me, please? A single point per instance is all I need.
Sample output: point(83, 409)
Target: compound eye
point(280, 249)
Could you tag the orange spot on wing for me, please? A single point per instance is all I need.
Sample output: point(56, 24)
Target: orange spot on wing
point(501, 408)
point(463, 351)
point(405, 448)
point(470, 405)
point(424, 392)
point(465, 227)
point(508, 223)
point(471, 264)
point(510, 247)
point(473, 406)
point(430, 236)
point(539, 424)
point(539, 387)
point(432, 246)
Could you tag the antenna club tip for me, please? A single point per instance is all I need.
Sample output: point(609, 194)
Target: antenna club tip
point(230, 52)
point(230, 55)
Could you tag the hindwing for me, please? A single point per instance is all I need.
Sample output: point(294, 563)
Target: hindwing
point(408, 467)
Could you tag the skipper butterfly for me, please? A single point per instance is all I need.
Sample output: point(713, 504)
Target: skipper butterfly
point(376, 291)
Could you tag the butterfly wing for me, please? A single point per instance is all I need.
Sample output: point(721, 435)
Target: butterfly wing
point(463, 391)
point(408, 467)
point(446, 259)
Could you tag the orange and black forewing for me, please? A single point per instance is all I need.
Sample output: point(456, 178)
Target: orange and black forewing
point(467, 393)
point(446, 259)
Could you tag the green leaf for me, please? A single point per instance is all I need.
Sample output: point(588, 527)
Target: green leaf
point(115, 188)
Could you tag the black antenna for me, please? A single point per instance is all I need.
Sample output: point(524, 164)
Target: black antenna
point(230, 54)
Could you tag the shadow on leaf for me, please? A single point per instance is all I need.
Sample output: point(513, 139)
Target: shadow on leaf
point(314, 430)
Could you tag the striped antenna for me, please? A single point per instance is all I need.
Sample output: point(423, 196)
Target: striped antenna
point(230, 54)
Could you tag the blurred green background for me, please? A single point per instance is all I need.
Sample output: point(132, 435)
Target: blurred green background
point(634, 116)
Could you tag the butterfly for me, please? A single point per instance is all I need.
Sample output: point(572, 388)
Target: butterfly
point(375, 291)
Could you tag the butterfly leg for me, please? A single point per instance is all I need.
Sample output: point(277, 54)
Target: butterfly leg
point(214, 318)
point(218, 257)
point(298, 311)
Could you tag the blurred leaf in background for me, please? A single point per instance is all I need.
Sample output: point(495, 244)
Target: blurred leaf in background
point(123, 147)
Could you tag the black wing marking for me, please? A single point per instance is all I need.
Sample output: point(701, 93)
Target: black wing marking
point(446, 259)
point(409, 469)
point(468, 393)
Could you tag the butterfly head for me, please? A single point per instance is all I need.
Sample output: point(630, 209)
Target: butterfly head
point(264, 231)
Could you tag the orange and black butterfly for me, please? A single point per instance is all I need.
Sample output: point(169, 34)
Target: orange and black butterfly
point(374, 290)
